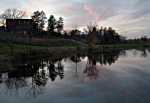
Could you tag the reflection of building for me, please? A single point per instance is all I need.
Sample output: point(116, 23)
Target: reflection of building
point(19, 25)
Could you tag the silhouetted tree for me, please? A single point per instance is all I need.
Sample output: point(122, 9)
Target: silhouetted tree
point(39, 18)
point(92, 32)
point(11, 14)
point(144, 38)
point(60, 25)
point(108, 36)
point(75, 32)
point(51, 24)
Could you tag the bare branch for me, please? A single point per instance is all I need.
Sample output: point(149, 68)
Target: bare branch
point(11, 14)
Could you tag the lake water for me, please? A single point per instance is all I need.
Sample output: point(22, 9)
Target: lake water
point(121, 76)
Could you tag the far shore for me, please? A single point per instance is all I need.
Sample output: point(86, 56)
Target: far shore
point(5, 47)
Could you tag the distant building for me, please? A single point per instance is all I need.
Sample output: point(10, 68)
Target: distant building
point(19, 25)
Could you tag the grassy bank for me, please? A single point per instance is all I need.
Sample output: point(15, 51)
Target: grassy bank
point(20, 47)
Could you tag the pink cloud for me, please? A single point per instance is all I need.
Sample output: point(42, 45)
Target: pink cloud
point(92, 12)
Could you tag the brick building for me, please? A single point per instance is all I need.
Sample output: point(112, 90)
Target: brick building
point(19, 25)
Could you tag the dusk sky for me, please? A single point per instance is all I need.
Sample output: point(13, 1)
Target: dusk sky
point(130, 18)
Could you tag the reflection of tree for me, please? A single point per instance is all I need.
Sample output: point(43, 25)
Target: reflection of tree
point(40, 78)
point(105, 55)
point(52, 72)
point(28, 65)
point(108, 57)
point(60, 70)
point(16, 83)
point(76, 59)
point(56, 71)
point(144, 53)
point(1, 78)
point(40, 67)
point(91, 69)
point(35, 90)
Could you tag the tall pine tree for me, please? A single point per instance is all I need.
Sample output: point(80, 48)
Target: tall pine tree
point(52, 23)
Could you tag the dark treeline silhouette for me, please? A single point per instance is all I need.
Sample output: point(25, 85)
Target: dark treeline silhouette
point(55, 28)
point(17, 29)
point(143, 39)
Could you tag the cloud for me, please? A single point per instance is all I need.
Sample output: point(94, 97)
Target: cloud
point(92, 12)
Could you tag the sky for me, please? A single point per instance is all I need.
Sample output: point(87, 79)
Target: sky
point(131, 18)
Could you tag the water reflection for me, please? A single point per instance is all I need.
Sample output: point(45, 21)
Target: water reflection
point(41, 67)
point(91, 69)
point(55, 71)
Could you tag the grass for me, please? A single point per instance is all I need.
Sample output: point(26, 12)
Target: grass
point(18, 47)
point(22, 42)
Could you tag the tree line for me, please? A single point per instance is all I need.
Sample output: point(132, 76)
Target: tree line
point(39, 18)
point(55, 27)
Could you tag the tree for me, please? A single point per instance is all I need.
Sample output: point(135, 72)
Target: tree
point(51, 24)
point(75, 32)
point(11, 14)
point(109, 36)
point(60, 25)
point(92, 35)
point(144, 38)
point(39, 19)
